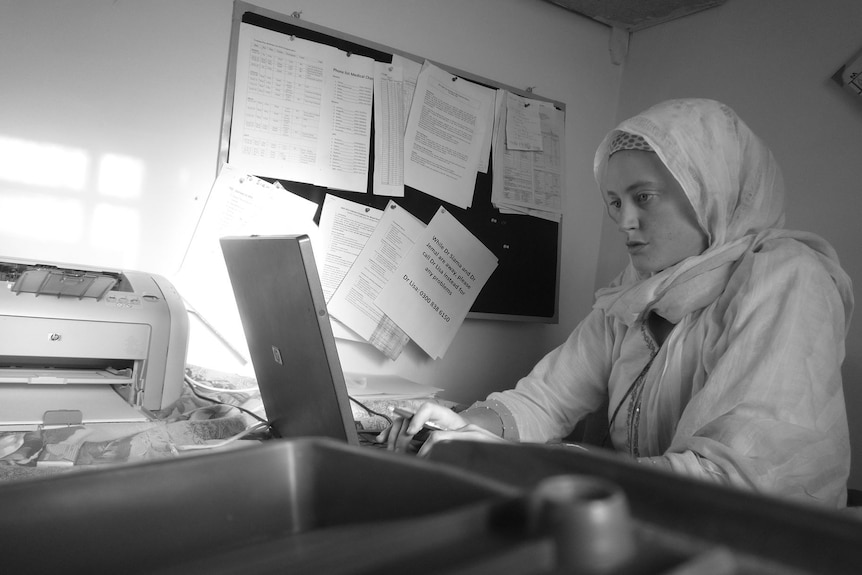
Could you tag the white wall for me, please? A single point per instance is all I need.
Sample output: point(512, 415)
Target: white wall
point(771, 60)
point(109, 127)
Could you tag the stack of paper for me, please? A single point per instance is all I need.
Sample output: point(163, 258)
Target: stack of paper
point(529, 137)
point(412, 281)
point(391, 387)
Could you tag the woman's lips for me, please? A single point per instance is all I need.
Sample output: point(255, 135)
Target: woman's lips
point(635, 247)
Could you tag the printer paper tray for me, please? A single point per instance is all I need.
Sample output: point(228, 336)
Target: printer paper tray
point(63, 376)
point(23, 407)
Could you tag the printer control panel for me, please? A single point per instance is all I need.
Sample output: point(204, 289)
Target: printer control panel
point(124, 300)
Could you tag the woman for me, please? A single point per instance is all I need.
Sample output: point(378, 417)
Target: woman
point(720, 345)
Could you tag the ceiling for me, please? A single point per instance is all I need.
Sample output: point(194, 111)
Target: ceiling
point(633, 15)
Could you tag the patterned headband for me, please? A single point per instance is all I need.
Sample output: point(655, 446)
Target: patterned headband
point(626, 141)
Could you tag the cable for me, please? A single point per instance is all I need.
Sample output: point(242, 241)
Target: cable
point(197, 383)
point(623, 400)
point(192, 384)
point(229, 440)
point(369, 410)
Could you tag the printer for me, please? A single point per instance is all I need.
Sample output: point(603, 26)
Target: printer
point(87, 345)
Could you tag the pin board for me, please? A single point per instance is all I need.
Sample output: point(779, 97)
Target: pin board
point(525, 285)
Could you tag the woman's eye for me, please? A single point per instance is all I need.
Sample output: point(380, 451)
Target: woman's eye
point(614, 204)
point(643, 197)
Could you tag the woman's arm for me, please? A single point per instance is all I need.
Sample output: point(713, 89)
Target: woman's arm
point(771, 413)
point(567, 384)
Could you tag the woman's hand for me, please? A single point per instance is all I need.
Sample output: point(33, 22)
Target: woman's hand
point(470, 432)
point(400, 435)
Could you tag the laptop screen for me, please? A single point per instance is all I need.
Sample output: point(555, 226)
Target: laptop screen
point(286, 324)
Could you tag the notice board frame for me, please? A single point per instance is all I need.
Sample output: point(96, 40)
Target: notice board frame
point(525, 286)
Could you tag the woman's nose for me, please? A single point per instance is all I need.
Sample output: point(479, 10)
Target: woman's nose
point(628, 219)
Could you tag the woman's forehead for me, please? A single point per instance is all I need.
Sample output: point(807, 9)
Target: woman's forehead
point(628, 168)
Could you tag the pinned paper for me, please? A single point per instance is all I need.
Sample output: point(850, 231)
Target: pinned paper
point(435, 285)
point(530, 182)
point(353, 303)
point(523, 126)
point(448, 130)
point(238, 205)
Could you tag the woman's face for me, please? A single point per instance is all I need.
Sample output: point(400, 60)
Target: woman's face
point(651, 209)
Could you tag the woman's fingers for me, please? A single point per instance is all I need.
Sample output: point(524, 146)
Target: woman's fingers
point(467, 433)
point(440, 416)
point(409, 433)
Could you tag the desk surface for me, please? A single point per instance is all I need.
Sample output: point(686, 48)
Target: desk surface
point(192, 420)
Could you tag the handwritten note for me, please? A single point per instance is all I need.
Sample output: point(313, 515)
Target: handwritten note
point(523, 126)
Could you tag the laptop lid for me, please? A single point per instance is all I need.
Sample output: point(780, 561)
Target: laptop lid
point(286, 324)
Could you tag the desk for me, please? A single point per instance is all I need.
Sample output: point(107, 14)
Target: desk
point(191, 421)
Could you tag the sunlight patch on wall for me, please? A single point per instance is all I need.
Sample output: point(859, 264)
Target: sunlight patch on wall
point(42, 217)
point(120, 177)
point(59, 200)
point(40, 164)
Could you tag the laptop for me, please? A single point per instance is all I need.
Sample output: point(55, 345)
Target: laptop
point(289, 336)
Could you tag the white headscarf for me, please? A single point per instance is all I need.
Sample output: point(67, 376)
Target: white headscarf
point(737, 191)
point(728, 174)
